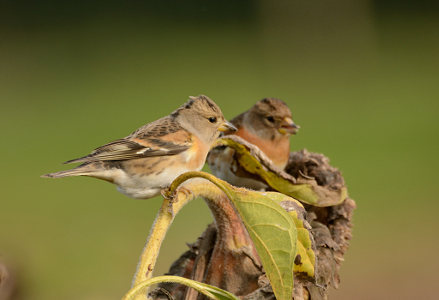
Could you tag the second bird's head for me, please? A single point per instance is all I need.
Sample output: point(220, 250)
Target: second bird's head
point(272, 118)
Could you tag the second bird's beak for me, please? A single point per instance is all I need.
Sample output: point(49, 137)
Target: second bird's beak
point(227, 127)
point(288, 126)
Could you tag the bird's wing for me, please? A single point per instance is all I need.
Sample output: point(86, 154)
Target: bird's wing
point(154, 139)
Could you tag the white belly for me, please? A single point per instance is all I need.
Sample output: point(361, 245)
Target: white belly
point(146, 186)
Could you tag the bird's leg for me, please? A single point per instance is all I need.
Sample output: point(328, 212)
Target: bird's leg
point(173, 198)
point(167, 194)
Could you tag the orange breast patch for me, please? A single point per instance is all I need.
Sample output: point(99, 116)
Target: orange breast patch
point(197, 154)
point(276, 150)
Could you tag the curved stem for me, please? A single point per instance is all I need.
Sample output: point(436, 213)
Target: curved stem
point(192, 174)
point(172, 204)
point(160, 227)
point(151, 250)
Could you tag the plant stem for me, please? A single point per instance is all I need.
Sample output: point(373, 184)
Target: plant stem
point(178, 195)
point(161, 225)
point(150, 252)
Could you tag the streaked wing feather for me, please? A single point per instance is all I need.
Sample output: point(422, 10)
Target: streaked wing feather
point(158, 138)
point(125, 149)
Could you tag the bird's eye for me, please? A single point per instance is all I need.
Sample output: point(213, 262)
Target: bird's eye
point(271, 119)
point(212, 120)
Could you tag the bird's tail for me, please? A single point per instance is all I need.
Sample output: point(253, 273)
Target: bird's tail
point(72, 172)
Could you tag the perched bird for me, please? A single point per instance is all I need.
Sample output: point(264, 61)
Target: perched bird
point(268, 125)
point(150, 158)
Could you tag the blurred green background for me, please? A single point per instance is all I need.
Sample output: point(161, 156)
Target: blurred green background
point(361, 77)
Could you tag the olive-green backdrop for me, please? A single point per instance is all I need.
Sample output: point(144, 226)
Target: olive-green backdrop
point(361, 77)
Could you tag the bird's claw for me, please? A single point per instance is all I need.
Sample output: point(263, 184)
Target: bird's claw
point(172, 196)
point(167, 194)
point(185, 191)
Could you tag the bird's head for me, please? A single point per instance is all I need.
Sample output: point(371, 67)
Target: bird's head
point(203, 117)
point(271, 116)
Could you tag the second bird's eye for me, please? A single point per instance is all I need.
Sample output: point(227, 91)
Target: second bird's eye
point(271, 119)
point(212, 119)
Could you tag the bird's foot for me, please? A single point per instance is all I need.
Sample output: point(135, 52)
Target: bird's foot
point(172, 196)
point(167, 194)
point(187, 192)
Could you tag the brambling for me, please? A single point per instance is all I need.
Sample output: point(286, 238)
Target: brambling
point(268, 125)
point(150, 158)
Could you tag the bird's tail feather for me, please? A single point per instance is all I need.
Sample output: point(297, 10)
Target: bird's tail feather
point(72, 172)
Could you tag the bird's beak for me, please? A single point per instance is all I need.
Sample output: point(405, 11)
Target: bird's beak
point(287, 126)
point(227, 127)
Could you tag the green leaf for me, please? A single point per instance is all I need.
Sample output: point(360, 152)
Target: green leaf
point(305, 259)
point(270, 227)
point(208, 290)
point(255, 163)
point(274, 234)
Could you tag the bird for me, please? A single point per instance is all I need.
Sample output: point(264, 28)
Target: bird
point(145, 162)
point(268, 124)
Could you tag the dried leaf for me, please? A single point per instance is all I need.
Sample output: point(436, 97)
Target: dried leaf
point(254, 162)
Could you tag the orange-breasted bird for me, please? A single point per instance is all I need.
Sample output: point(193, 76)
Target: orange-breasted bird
point(150, 158)
point(268, 125)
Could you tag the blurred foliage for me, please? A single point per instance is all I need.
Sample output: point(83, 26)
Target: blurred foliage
point(361, 80)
